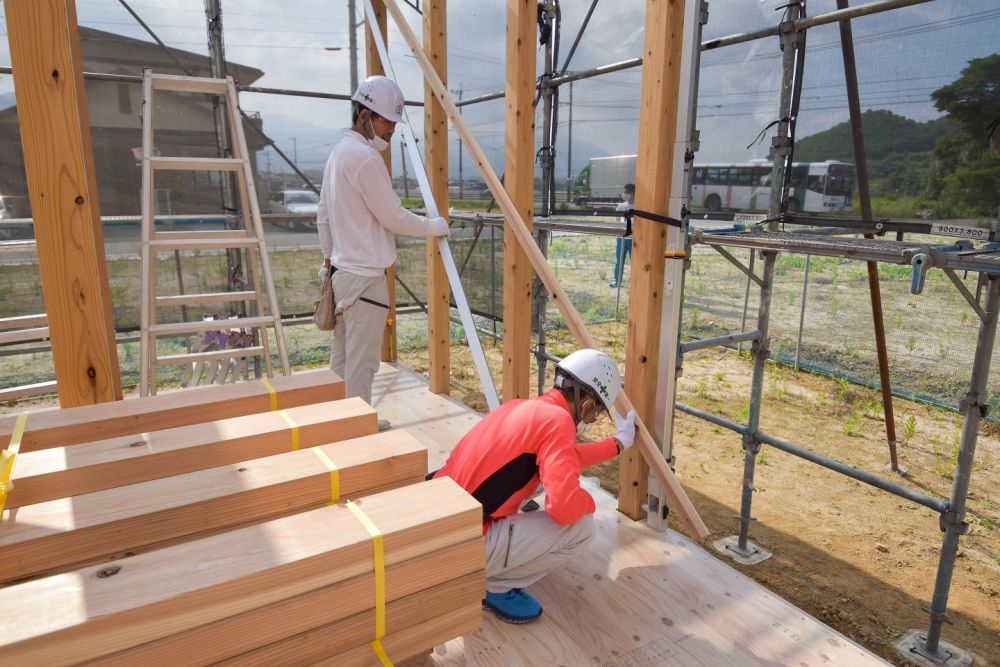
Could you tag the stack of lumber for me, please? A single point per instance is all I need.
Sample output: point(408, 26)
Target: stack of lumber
point(193, 541)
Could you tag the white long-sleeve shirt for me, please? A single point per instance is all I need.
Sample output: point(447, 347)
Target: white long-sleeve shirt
point(359, 213)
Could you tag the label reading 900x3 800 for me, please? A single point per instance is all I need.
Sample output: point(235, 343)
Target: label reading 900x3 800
point(960, 231)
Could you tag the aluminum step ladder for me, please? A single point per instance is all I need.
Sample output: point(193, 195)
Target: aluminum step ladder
point(261, 301)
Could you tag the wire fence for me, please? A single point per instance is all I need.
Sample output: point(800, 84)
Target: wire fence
point(930, 337)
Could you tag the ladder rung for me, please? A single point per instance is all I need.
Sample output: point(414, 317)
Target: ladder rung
point(209, 325)
point(216, 297)
point(200, 234)
point(212, 355)
point(189, 84)
point(205, 244)
point(197, 163)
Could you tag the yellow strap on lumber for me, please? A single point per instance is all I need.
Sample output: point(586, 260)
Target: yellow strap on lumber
point(295, 428)
point(7, 458)
point(378, 556)
point(270, 390)
point(334, 475)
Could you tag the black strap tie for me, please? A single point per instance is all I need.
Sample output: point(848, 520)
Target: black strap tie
point(655, 217)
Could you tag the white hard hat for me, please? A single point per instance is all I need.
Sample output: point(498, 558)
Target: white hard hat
point(382, 96)
point(595, 370)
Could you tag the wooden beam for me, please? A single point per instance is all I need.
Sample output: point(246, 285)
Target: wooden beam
point(413, 641)
point(62, 188)
point(373, 65)
point(70, 426)
point(661, 71)
point(62, 472)
point(89, 613)
point(307, 627)
point(70, 533)
point(519, 181)
point(436, 156)
point(680, 504)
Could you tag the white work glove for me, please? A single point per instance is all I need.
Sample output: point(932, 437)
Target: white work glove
point(323, 273)
point(625, 429)
point(438, 227)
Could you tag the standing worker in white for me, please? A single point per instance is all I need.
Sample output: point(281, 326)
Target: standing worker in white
point(358, 217)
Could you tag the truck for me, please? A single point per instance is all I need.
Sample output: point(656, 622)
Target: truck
point(602, 179)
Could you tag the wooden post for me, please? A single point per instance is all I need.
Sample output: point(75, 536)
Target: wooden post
point(374, 66)
point(436, 155)
point(58, 162)
point(661, 68)
point(519, 182)
point(680, 504)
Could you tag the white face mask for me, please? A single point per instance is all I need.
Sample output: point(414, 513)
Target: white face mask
point(582, 428)
point(376, 142)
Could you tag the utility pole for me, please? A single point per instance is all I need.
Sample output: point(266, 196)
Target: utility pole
point(461, 181)
point(352, 33)
point(295, 150)
point(217, 70)
point(569, 148)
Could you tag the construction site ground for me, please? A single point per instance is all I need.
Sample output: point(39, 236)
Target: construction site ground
point(859, 559)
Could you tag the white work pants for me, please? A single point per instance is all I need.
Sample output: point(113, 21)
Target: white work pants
point(357, 331)
point(523, 548)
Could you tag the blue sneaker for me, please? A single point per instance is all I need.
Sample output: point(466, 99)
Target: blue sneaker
point(514, 606)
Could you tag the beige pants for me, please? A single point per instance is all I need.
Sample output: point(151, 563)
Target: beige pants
point(523, 548)
point(357, 331)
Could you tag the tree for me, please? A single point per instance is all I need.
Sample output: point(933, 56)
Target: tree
point(965, 173)
point(973, 99)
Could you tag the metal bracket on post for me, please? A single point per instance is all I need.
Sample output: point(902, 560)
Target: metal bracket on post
point(948, 518)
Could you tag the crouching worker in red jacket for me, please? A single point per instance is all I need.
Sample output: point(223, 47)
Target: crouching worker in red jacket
point(522, 443)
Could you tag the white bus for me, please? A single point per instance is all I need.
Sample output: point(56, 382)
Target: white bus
point(816, 187)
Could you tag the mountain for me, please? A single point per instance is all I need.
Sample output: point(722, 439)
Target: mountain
point(885, 134)
point(898, 149)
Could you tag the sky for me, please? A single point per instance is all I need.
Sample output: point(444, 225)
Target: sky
point(902, 55)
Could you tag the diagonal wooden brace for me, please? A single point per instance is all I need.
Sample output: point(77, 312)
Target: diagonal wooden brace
point(679, 501)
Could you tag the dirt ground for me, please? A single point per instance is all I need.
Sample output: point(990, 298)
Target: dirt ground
point(859, 559)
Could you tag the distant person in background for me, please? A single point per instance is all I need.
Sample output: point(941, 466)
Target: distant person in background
point(623, 244)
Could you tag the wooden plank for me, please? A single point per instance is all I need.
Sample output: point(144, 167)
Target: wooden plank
point(414, 641)
point(12, 393)
point(309, 626)
point(58, 428)
point(62, 188)
point(373, 65)
point(62, 472)
point(23, 335)
point(436, 158)
point(654, 171)
point(72, 532)
point(519, 182)
point(680, 504)
point(80, 616)
point(23, 321)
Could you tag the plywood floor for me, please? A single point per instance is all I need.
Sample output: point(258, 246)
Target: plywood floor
point(638, 598)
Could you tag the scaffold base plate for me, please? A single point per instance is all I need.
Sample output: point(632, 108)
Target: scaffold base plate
point(730, 546)
point(911, 647)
